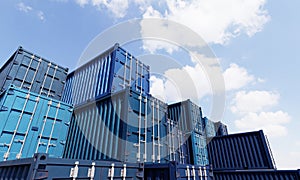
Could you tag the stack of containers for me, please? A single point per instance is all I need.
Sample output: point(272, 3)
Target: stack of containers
point(125, 126)
point(188, 117)
point(33, 119)
point(111, 97)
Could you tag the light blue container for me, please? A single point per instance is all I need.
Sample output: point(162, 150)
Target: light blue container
point(31, 123)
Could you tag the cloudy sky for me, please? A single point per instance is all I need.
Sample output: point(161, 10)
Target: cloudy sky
point(256, 43)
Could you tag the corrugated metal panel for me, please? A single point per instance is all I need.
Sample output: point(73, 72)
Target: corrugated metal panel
point(258, 174)
point(176, 171)
point(199, 153)
point(110, 72)
point(188, 118)
point(240, 151)
point(209, 127)
point(221, 129)
point(188, 115)
point(31, 123)
point(43, 167)
point(126, 126)
point(34, 73)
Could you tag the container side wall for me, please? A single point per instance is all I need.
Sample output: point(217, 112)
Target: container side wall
point(34, 73)
point(108, 73)
point(240, 151)
point(32, 123)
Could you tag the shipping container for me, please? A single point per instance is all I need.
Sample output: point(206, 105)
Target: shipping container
point(240, 151)
point(126, 126)
point(34, 73)
point(258, 174)
point(188, 115)
point(209, 127)
point(41, 166)
point(199, 153)
point(188, 118)
point(179, 144)
point(221, 129)
point(108, 73)
point(31, 123)
point(175, 171)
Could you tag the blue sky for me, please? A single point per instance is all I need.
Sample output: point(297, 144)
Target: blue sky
point(256, 42)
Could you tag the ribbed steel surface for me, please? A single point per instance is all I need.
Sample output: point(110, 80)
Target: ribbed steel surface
point(258, 174)
point(43, 167)
point(199, 150)
point(240, 151)
point(126, 126)
point(34, 73)
point(174, 171)
point(31, 123)
point(110, 72)
point(187, 114)
point(209, 127)
point(188, 118)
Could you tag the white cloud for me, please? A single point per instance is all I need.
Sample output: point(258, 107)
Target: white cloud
point(82, 3)
point(253, 101)
point(236, 77)
point(152, 13)
point(165, 89)
point(218, 21)
point(118, 8)
point(181, 83)
point(253, 110)
point(273, 123)
point(28, 9)
point(41, 15)
point(24, 8)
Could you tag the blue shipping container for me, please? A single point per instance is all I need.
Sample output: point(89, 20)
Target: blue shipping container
point(270, 174)
point(188, 115)
point(34, 73)
point(221, 129)
point(175, 171)
point(43, 167)
point(240, 151)
point(126, 126)
point(108, 73)
point(199, 149)
point(209, 127)
point(31, 123)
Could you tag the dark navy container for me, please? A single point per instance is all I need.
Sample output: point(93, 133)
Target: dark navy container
point(108, 73)
point(34, 73)
point(221, 129)
point(240, 151)
point(31, 123)
point(126, 126)
point(41, 166)
point(258, 174)
point(175, 171)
